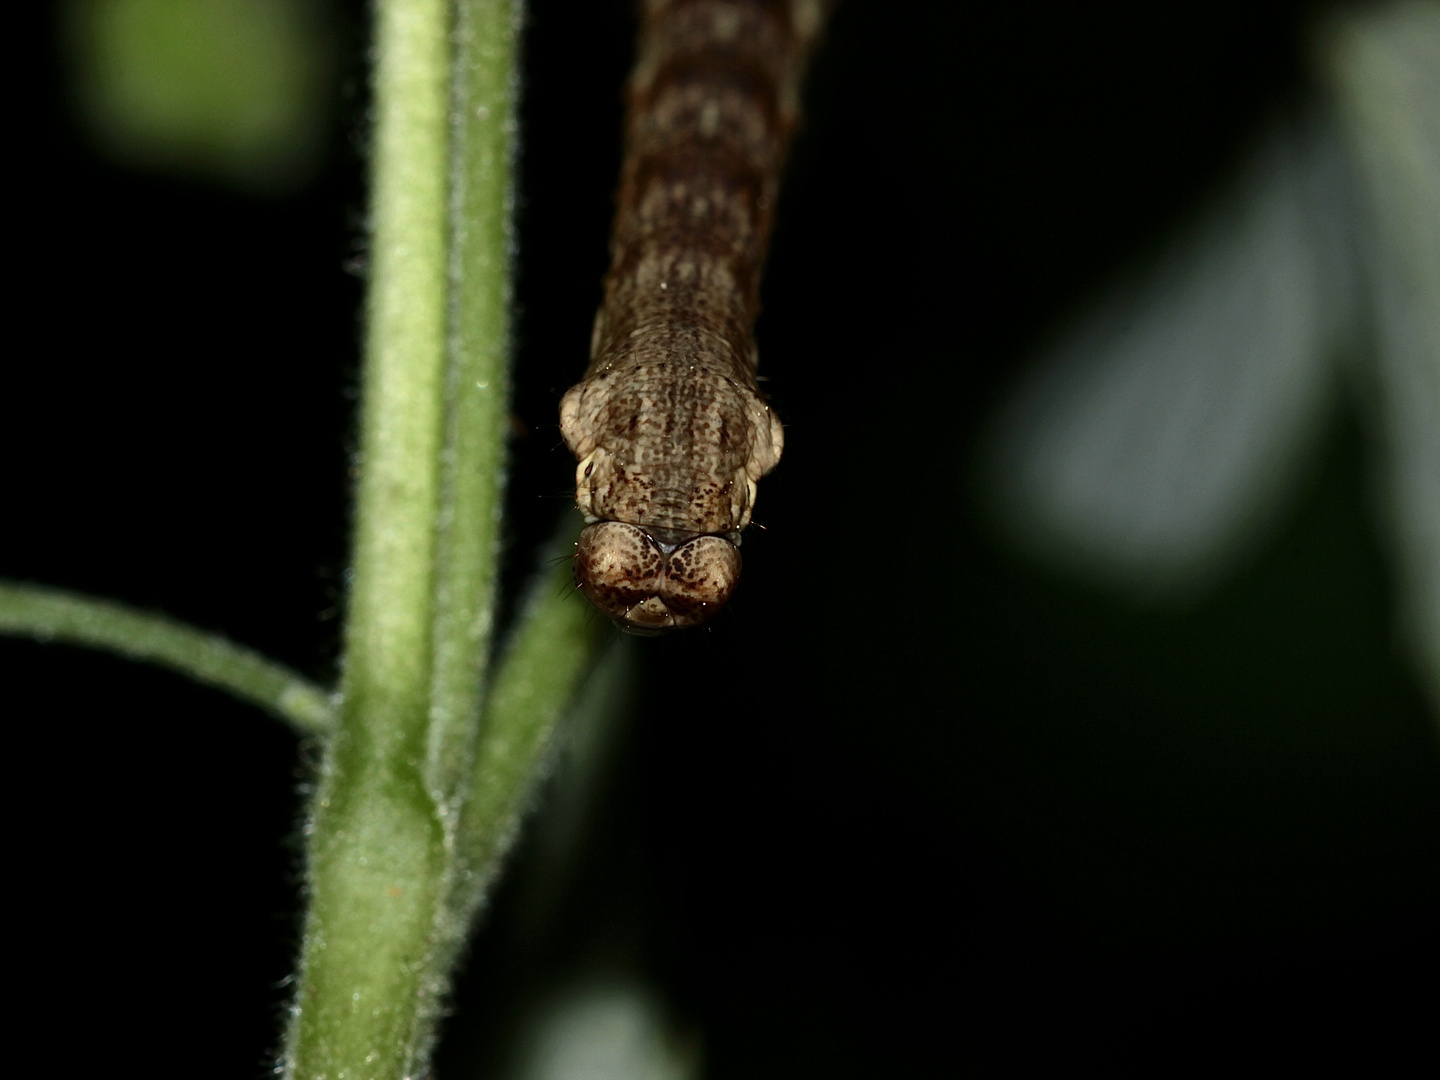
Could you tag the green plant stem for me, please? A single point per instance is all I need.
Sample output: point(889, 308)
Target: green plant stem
point(421, 789)
point(378, 864)
point(553, 648)
point(52, 615)
point(477, 390)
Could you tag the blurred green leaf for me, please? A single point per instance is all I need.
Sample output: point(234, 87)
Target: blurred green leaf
point(236, 90)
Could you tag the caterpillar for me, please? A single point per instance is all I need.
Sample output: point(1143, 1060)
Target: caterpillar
point(671, 432)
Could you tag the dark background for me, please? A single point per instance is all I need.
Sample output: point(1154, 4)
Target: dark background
point(914, 803)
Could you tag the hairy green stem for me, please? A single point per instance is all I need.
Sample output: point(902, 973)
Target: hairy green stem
point(547, 658)
point(378, 864)
point(52, 615)
point(421, 786)
point(425, 777)
point(477, 384)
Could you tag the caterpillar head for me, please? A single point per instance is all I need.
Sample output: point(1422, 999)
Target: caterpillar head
point(653, 580)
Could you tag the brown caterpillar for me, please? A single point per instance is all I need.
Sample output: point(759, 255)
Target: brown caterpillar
point(670, 429)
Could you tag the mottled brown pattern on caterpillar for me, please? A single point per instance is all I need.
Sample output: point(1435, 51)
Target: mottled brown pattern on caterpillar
point(670, 429)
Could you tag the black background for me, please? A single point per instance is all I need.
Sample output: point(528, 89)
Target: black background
point(914, 803)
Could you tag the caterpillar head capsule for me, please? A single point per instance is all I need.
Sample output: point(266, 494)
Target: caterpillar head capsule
point(653, 580)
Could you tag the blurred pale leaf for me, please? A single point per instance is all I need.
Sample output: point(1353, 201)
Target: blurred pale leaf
point(1150, 447)
point(1385, 67)
point(603, 1030)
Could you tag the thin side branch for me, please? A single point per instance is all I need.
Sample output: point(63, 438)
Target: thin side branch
point(52, 615)
point(553, 647)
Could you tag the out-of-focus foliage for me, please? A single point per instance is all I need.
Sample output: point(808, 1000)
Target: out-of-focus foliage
point(234, 90)
point(1385, 70)
point(603, 1030)
point(1154, 440)
point(1152, 447)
